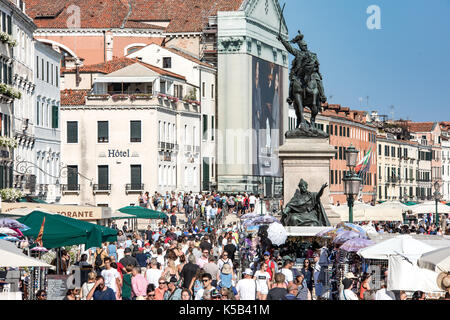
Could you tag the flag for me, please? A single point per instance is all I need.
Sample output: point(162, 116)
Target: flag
point(41, 233)
point(364, 164)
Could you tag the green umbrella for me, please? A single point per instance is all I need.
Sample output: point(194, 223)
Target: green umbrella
point(143, 213)
point(62, 231)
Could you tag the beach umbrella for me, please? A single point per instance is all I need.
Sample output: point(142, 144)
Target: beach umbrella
point(326, 232)
point(39, 249)
point(353, 245)
point(277, 234)
point(345, 236)
point(249, 216)
point(9, 238)
point(437, 260)
point(8, 231)
point(11, 223)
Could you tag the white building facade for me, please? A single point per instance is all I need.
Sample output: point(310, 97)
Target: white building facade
point(445, 189)
point(46, 122)
point(201, 77)
point(129, 134)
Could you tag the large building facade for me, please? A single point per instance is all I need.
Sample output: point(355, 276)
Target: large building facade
point(47, 129)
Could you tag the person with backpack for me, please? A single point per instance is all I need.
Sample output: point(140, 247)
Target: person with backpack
point(100, 255)
point(271, 265)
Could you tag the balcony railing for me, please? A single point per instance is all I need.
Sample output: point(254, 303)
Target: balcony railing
point(70, 188)
point(99, 188)
point(134, 187)
point(187, 148)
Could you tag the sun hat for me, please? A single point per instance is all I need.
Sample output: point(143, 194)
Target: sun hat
point(350, 275)
point(443, 281)
point(248, 271)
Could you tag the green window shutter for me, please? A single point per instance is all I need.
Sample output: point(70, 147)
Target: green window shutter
point(5, 73)
point(55, 119)
point(205, 173)
point(4, 22)
point(103, 180)
point(9, 25)
point(10, 75)
point(72, 132)
point(136, 177)
point(102, 130)
point(205, 126)
point(135, 131)
point(2, 184)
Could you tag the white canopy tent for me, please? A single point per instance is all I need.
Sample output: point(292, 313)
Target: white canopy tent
point(429, 207)
point(15, 260)
point(404, 245)
point(407, 276)
point(366, 212)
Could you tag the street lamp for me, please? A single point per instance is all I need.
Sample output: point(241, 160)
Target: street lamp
point(352, 181)
point(437, 197)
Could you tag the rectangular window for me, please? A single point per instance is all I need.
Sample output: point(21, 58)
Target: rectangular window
point(332, 177)
point(57, 77)
point(135, 177)
point(102, 131)
point(51, 74)
point(37, 67)
point(135, 131)
point(212, 128)
point(48, 71)
point(72, 178)
point(42, 69)
point(10, 75)
point(205, 127)
point(203, 89)
point(72, 131)
point(340, 131)
point(55, 120)
point(167, 62)
point(348, 132)
point(9, 22)
point(393, 152)
point(331, 130)
point(37, 114)
point(103, 179)
point(5, 73)
point(4, 22)
point(212, 91)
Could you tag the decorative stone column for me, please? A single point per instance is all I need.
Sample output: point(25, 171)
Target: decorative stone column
point(308, 159)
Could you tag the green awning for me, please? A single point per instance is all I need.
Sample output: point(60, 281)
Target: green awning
point(62, 231)
point(410, 203)
point(143, 213)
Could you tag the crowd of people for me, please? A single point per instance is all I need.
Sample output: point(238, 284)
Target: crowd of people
point(204, 259)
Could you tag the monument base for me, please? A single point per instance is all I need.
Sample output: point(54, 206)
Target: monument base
point(308, 159)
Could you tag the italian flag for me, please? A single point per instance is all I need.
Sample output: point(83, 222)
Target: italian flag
point(364, 164)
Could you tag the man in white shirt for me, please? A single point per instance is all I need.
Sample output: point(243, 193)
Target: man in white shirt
point(383, 293)
point(252, 202)
point(347, 293)
point(111, 276)
point(153, 274)
point(287, 271)
point(246, 287)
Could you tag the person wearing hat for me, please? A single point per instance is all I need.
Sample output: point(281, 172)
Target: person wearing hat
point(173, 291)
point(128, 260)
point(226, 276)
point(347, 293)
point(246, 288)
point(443, 281)
point(270, 264)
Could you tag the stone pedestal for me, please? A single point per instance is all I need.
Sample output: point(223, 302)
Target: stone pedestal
point(308, 159)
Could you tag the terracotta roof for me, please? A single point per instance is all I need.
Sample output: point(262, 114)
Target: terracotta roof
point(120, 63)
point(71, 97)
point(183, 15)
point(420, 126)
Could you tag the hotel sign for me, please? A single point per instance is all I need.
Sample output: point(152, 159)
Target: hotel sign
point(118, 153)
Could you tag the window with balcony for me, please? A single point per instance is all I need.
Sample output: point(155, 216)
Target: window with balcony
point(102, 131)
point(72, 178)
point(136, 179)
point(135, 131)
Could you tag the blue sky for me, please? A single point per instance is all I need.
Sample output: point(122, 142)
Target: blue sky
point(405, 64)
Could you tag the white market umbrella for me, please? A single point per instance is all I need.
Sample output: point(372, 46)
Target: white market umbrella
point(429, 207)
point(393, 204)
point(386, 213)
point(277, 234)
point(16, 260)
point(437, 260)
point(404, 245)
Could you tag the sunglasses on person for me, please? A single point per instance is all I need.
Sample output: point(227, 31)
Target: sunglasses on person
point(205, 280)
point(162, 282)
point(43, 295)
point(151, 295)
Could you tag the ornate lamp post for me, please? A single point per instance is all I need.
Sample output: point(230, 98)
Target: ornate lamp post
point(352, 181)
point(437, 197)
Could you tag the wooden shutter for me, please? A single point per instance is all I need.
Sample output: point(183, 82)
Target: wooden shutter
point(205, 173)
point(135, 131)
point(102, 130)
point(72, 132)
point(9, 25)
point(55, 119)
point(103, 180)
point(72, 177)
point(205, 126)
point(136, 177)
